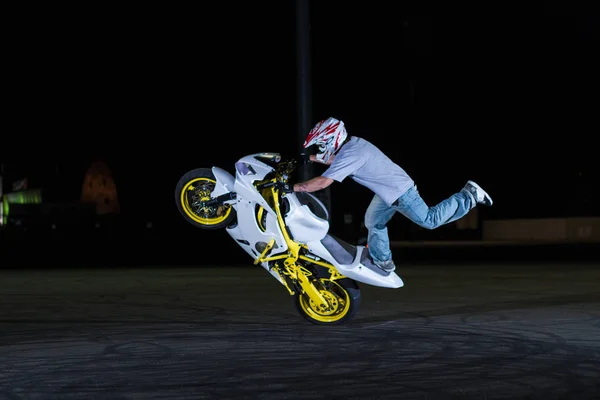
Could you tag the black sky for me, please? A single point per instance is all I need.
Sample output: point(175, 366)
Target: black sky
point(507, 97)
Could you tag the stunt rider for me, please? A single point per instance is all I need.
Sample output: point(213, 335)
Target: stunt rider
point(395, 191)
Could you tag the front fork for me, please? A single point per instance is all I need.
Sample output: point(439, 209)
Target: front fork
point(295, 273)
point(299, 275)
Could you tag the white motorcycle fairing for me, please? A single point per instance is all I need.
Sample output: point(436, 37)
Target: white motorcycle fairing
point(308, 224)
point(354, 262)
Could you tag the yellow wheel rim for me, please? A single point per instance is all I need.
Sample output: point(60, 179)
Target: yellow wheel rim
point(338, 301)
point(196, 191)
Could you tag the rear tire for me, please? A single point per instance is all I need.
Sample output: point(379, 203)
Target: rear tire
point(194, 187)
point(344, 299)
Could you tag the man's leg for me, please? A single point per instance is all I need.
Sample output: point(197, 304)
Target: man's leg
point(412, 206)
point(377, 216)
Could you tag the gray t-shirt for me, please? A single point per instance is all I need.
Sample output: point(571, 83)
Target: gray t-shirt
point(370, 167)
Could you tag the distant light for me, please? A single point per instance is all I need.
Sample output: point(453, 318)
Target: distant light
point(148, 224)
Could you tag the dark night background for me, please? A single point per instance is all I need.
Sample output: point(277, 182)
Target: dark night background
point(506, 96)
point(141, 304)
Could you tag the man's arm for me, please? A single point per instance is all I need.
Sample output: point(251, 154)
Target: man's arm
point(312, 185)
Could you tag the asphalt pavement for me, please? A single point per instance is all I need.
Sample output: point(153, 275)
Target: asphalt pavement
point(503, 330)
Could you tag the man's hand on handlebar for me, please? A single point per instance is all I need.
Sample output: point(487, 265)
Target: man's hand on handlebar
point(304, 158)
point(286, 187)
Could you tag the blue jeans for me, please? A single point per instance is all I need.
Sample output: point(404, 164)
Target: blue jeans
point(413, 207)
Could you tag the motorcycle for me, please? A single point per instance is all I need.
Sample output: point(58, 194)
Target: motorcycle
point(285, 232)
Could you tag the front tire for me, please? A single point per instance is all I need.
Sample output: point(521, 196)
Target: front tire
point(344, 299)
point(194, 187)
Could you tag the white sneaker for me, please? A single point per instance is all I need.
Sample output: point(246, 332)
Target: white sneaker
point(387, 266)
point(478, 193)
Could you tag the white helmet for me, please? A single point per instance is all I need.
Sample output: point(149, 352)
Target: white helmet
point(329, 135)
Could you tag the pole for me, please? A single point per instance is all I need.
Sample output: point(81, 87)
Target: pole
point(304, 93)
point(304, 106)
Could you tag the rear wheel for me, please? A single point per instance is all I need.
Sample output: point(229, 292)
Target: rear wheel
point(194, 188)
point(343, 300)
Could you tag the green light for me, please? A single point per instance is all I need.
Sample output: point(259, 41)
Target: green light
point(4, 209)
point(33, 196)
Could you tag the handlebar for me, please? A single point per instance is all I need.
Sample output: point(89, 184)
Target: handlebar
point(283, 170)
point(283, 186)
point(265, 185)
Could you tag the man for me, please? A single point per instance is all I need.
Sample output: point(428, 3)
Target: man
point(395, 191)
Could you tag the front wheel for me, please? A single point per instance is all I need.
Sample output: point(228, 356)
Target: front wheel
point(194, 188)
point(343, 298)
